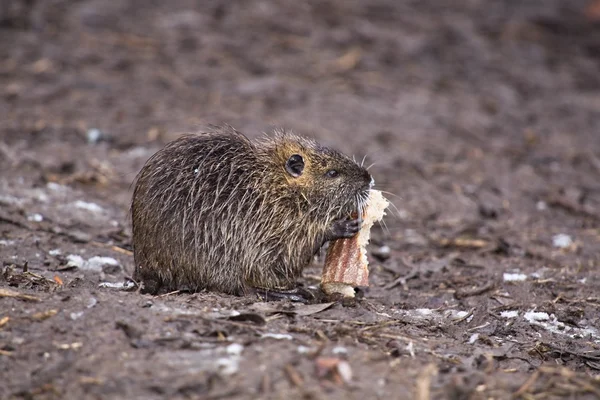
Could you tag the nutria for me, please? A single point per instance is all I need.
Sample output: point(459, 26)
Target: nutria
point(219, 212)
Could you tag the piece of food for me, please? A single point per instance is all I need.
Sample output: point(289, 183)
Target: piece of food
point(346, 264)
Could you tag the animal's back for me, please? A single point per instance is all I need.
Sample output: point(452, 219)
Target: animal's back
point(189, 202)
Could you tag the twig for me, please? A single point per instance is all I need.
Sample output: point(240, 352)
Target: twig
point(423, 386)
point(293, 375)
point(461, 294)
point(527, 385)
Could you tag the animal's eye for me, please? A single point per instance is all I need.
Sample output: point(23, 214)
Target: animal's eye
point(332, 173)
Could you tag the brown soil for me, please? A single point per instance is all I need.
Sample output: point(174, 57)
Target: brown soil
point(482, 119)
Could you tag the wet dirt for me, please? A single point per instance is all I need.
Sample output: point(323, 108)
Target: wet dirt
point(481, 119)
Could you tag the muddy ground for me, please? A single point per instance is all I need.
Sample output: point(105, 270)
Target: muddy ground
point(482, 119)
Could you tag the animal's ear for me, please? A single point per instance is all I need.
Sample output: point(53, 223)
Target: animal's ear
point(295, 165)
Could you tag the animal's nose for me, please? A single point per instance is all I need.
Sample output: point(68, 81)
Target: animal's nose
point(372, 183)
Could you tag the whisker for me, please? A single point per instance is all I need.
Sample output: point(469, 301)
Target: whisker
point(384, 227)
point(363, 161)
point(397, 211)
point(372, 164)
point(391, 194)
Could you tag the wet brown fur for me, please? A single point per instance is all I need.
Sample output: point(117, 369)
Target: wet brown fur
point(216, 211)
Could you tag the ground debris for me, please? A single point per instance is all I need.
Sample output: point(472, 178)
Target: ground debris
point(334, 369)
point(17, 295)
point(293, 375)
point(558, 382)
point(41, 316)
point(27, 279)
point(302, 310)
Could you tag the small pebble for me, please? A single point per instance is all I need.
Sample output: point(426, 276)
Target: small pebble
point(532, 316)
point(35, 217)
point(278, 336)
point(303, 350)
point(509, 314)
point(235, 349)
point(94, 136)
point(382, 253)
point(508, 277)
point(76, 315)
point(473, 338)
point(562, 240)
point(92, 302)
point(117, 285)
point(92, 207)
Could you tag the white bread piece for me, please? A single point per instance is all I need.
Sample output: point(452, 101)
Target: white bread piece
point(346, 263)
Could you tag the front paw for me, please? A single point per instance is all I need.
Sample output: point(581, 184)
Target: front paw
point(344, 228)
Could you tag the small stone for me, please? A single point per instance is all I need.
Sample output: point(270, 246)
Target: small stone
point(94, 136)
point(92, 207)
point(382, 253)
point(562, 240)
point(35, 217)
point(76, 315)
point(515, 277)
point(235, 349)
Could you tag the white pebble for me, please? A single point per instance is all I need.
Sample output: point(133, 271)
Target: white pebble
point(96, 263)
point(76, 315)
point(73, 260)
point(410, 347)
point(94, 136)
point(508, 277)
point(339, 350)
point(116, 285)
point(473, 338)
point(92, 207)
point(92, 302)
point(278, 336)
point(57, 187)
point(35, 217)
point(303, 350)
point(562, 240)
point(235, 349)
point(345, 371)
point(532, 316)
point(509, 314)
point(424, 311)
point(228, 366)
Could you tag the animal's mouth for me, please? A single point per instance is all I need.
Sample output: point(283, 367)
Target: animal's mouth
point(356, 207)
